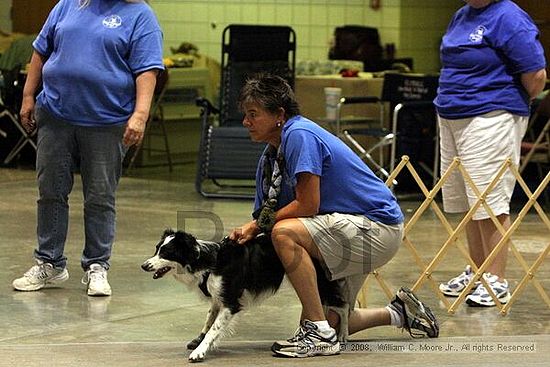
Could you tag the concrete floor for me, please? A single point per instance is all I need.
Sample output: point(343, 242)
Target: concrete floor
point(148, 322)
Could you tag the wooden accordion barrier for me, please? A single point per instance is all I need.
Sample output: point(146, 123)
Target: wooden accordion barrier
point(427, 268)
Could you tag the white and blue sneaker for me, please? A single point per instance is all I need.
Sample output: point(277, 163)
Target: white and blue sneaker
point(39, 276)
point(417, 318)
point(308, 341)
point(455, 286)
point(481, 297)
point(96, 281)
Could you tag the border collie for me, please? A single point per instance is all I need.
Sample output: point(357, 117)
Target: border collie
point(231, 276)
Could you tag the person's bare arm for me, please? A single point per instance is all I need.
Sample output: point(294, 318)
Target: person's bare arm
point(145, 88)
point(33, 81)
point(308, 198)
point(534, 82)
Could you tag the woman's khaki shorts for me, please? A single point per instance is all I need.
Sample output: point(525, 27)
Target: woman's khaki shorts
point(352, 246)
point(483, 143)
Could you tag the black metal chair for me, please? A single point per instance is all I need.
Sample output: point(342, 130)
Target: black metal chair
point(412, 130)
point(414, 126)
point(227, 157)
point(12, 62)
point(11, 92)
point(351, 128)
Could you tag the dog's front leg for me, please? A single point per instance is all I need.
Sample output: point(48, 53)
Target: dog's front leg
point(218, 327)
point(210, 317)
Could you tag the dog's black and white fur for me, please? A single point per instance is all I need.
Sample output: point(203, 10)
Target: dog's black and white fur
point(230, 275)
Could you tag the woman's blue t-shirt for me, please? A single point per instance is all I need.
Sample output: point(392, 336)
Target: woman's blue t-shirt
point(347, 184)
point(483, 53)
point(93, 56)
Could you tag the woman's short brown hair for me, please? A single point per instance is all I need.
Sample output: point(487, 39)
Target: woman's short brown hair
point(270, 92)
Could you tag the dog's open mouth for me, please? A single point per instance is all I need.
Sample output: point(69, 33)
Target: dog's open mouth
point(161, 272)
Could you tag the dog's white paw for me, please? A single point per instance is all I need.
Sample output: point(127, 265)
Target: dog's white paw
point(193, 344)
point(197, 355)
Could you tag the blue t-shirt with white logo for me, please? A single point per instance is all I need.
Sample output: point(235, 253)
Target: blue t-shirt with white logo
point(347, 184)
point(484, 52)
point(93, 56)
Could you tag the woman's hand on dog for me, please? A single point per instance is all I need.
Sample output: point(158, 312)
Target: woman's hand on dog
point(245, 233)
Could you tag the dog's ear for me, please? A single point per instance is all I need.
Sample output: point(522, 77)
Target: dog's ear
point(188, 243)
point(196, 253)
point(167, 232)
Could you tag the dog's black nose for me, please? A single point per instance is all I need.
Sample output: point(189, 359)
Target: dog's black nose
point(145, 266)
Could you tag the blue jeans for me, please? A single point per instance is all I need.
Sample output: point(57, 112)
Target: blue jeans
point(99, 152)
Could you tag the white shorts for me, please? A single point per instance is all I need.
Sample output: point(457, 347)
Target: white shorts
point(483, 143)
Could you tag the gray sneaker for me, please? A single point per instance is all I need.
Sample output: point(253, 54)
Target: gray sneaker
point(39, 276)
point(96, 280)
point(308, 342)
point(455, 286)
point(417, 318)
point(481, 297)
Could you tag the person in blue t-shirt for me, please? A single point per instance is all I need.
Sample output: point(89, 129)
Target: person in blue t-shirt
point(493, 66)
point(97, 62)
point(318, 200)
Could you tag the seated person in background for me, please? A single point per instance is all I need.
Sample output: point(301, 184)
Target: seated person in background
point(16, 51)
point(320, 201)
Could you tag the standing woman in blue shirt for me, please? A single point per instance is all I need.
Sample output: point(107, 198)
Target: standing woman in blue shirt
point(97, 62)
point(318, 200)
point(493, 66)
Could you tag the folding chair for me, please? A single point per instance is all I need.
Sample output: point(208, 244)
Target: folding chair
point(412, 116)
point(414, 124)
point(227, 157)
point(11, 93)
point(351, 128)
point(156, 116)
point(5, 112)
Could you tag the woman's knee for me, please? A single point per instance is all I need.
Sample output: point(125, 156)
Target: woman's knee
point(289, 233)
point(283, 234)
